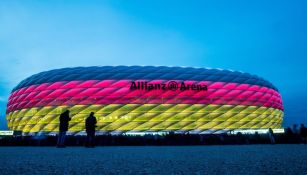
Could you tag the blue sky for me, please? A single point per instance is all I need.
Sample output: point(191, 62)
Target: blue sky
point(266, 38)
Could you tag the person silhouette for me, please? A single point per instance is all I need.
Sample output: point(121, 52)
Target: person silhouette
point(90, 124)
point(64, 122)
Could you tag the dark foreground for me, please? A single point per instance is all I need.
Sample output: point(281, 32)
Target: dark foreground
point(158, 140)
point(237, 159)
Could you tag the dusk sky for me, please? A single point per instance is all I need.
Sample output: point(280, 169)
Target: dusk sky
point(266, 38)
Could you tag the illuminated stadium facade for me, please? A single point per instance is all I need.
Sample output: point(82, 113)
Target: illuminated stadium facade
point(144, 99)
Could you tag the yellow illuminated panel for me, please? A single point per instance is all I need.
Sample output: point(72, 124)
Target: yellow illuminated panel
point(148, 117)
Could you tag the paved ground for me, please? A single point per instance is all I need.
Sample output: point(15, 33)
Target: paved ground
point(244, 159)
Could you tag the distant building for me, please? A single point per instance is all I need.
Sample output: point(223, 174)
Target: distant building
point(145, 99)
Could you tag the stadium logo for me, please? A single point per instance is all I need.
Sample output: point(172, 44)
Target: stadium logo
point(171, 85)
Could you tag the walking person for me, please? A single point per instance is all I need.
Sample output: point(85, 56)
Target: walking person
point(90, 124)
point(64, 122)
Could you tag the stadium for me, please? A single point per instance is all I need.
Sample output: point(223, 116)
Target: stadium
point(144, 99)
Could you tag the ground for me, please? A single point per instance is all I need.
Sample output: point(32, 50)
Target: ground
point(237, 159)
